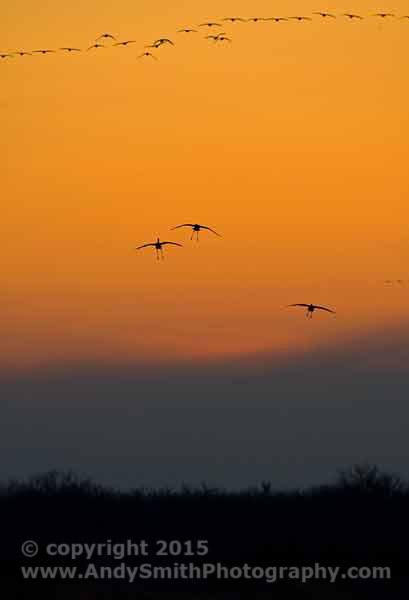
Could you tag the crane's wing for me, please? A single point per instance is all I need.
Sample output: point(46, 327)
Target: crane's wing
point(323, 308)
point(144, 246)
point(210, 229)
point(173, 243)
point(184, 225)
point(298, 305)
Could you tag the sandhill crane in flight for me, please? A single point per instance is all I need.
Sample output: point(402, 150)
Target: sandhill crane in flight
point(68, 49)
point(301, 18)
point(383, 15)
point(222, 38)
point(187, 30)
point(276, 19)
point(106, 36)
point(43, 51)
point(312, 307)
point(96, 46)
point(125, 43)
point(6, 56)
point(22, 53)
point(210, 24)
point(352, 16)
point(324, 14)
point(234, 19)
point(158, 247)
point(196, 228)
point(161, 41)
point(147, 54)
point(213, 37)
point(255, 19)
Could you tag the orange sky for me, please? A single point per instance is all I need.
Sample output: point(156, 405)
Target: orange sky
point(292, 141)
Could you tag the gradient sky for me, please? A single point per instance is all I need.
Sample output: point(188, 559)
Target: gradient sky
point(292, 142)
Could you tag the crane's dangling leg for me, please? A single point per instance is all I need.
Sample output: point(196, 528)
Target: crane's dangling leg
point(161, 253)
point(197, 236)
point(157, 254)
point(193, 233)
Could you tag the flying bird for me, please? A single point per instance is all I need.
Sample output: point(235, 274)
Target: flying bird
point(71, 49)
point(124, 43)
point(312, 307)
point(324, 14)
point(43, 51)
point(276, 19)
point(158, 247)
point(6, 56)
point(352, 16)
point(106, 36)
point(161, 41)
point(196, 228)
point(22, 53)
point(301, 18)
point(255, 19)
point(234, 19)
point(96, 46)
point(213, 37)
point(187, 30)
point(210, 24)
point(147, 54)
point(383, 15)
point(223, 38)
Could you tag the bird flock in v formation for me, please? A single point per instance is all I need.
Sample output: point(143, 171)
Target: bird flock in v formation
point(213, 25)
point(216, 38)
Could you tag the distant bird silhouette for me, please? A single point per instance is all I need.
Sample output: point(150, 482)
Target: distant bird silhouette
point(383, 15)
point(352, 16)
point(255, 19)
point(6, 56)
point(209, 24)
point(312, 307)
point(161, 41)
point(234, 19)
point(22, 53)
point(68, 49)
point(106, 36)
point(125, 43)
point(96, 46)
point(43, 51)
point(276, 19)
point(301, 18)
point(324, 14)
point(196, 228)
point(213, 37)
point(147, 54)
point(187, 30)
point(223, 38)
point(158, 246)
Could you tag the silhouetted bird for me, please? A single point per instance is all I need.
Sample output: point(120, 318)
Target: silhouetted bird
point(210, 24)
point(196, 228)
point(6, 56)
point(352, 16)
point(324, 14)
point(383, 15)
point(276, 19)
point(23, 53)
point(187, 30)
point(43, 51)
point(96, 46)
point(124, 43)
point(71, 49)
point(255, 19)
point(301, 18)
point(223, 38)
point(312, 307)
point(106, 36)
point(158, 246)
point(234, 19)
point(161, 41)
point(147, 54)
